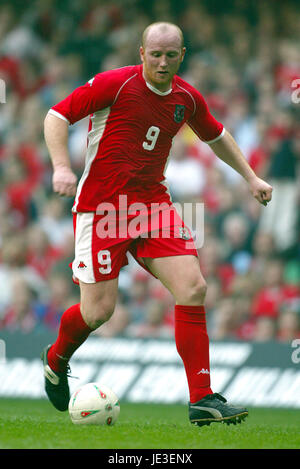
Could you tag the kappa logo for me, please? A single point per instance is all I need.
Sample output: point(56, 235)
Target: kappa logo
point(81, 265)
point(204, 371)
point(179, 113)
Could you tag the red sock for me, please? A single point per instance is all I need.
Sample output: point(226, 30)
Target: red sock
point(193, 347)
point(73, 331)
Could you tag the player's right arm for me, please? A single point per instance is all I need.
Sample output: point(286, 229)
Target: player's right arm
point(98, 93)
point(56, 131)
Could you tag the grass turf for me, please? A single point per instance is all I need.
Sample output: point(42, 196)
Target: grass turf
point(34, 424)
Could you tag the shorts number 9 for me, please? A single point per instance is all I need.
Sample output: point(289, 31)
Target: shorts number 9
point(104, 260)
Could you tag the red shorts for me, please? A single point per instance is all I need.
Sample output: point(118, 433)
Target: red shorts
point(101, 248)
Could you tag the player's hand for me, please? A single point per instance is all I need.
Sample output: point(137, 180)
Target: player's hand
point(64, 181)
point(261, 190)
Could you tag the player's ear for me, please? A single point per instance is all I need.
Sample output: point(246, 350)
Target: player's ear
point(183, 53)
point(142, 53)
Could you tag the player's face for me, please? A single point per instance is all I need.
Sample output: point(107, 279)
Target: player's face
point(161, 57)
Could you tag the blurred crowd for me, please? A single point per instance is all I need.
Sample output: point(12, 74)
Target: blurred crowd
point(244, 57)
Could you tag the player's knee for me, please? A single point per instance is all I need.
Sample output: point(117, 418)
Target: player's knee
point(198, 291)
point(97, 315)
point(195, 293)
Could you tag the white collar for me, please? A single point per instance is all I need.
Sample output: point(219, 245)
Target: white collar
point(155, 90)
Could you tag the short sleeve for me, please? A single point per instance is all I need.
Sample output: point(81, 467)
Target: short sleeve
point(203, 123)
point(98, 93)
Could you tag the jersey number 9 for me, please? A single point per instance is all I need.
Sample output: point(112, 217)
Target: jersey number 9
point(151, 136)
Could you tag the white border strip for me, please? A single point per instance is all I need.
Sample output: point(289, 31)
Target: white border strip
point(217, 138)
point(83, 248)
point(208, 141)
point(57, 114)
point(119, 91)
point(191, 96)
point(98, 120)
point(156, 91)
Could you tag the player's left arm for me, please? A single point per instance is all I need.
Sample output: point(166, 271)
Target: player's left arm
point(228, 151)
point(212, 132)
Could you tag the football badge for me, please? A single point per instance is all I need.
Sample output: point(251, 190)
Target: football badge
point(184, 233)
point(179, 113)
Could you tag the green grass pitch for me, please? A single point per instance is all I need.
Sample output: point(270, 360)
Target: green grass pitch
point(34, 424)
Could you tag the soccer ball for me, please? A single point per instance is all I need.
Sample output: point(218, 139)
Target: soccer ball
point(94, 404)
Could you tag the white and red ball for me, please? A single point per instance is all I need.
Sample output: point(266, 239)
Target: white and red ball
point(94, 404)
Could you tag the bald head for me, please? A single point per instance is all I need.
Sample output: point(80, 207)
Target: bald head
point(162, 52)
point(159, 29)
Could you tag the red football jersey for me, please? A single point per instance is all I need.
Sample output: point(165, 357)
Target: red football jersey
point(130, 134)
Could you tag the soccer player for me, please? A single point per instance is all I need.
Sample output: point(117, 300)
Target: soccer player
point(135, 112)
